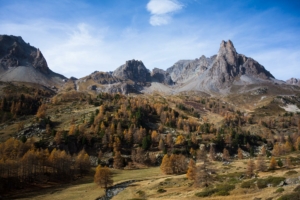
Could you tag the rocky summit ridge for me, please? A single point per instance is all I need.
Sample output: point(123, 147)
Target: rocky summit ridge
point(223, 73)
point(21, 62)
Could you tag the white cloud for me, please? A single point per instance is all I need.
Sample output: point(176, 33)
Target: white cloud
point(160, 7)
point(158, 20)
point(161, 11)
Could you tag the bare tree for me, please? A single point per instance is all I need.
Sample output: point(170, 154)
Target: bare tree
point(261, 164)
point(250, 168)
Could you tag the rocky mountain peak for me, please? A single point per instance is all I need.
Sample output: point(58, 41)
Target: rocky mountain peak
point(15, 52)
point(228, 52)
point(134, 70)
point(293, 81)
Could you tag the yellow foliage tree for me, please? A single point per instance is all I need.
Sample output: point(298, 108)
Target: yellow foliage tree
point(103, 177)
point(273, 164)
point(41, 113)
point(191, 173)
point(180, 139)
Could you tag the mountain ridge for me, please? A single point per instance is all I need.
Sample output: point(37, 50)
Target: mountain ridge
point(218, 74)
point(21, 62)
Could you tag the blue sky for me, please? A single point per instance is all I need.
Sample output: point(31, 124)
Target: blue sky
point(79, 37)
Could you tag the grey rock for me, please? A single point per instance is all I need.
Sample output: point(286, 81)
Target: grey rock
point(134, 70)
point(293, 81)
point(161, 76)
point(21, 62)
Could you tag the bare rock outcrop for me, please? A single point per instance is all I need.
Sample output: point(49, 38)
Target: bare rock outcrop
point(15, 52)
point(293, 81)
point(161, 76)
point(21, 62)
point(133, 70)
point(229, 66)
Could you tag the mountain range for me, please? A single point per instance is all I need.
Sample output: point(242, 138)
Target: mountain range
point(224, 73)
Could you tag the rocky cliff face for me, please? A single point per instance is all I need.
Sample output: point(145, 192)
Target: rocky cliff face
point(161, 76)
point(134, 70)
point(21, 62)
point(229, 66)
point(293, 81)
point(14, 52)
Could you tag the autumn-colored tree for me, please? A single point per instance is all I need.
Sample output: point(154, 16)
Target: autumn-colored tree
point(250, 168)
point(83, 162)
point(297, 143)
point(288, 146)
point(202, 154)
point(41, 113)
point(226, 155)
point(72, 129)
point(103, 177)
point(194, 139)
point(165, 166)
point(288, 163)
point(117, 144)
point(48, 129)
point(260, 164)
point(203, 175)
point(119, 129)
point(58, 137)
point(263, 151)
point(154, 136)
point(240, 153)
point(191, 173)
point(20, 126)
point(169, 140)
point(118, 160)
point(174, 164)
point(180, 140)
point(139, 155)
point(161, 144)
point(276, 150)
point(273, 164)
point(212, 152)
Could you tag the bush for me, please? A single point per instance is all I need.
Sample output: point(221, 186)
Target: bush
point(262, 183)
point(205, 193)
point(222, 193)
point(248, 184)
point(297, 189)
point(161, 190)
point(274, 181)
point(225, 187)
point(292, 172)
point(220, 190)
point(291, 196)
point(279, 190)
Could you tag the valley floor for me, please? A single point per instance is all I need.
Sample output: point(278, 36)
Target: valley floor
point(153, 184)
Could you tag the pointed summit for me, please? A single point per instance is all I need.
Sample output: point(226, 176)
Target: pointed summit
point(228, 52)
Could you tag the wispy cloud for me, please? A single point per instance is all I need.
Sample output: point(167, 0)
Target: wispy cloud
point(162, 10)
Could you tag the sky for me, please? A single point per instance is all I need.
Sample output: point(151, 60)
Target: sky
point(80, 37)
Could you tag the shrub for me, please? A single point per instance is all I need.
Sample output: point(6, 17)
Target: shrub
point(279, 190)
point(297, 189)
point(140, 193)
point(274, 181)
point(222, 193)
point(294, 195)
point(161, 190)
point(220, 190)
point(262, 183)
point(205, 193)
point(291, 172)
point(248, 184)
